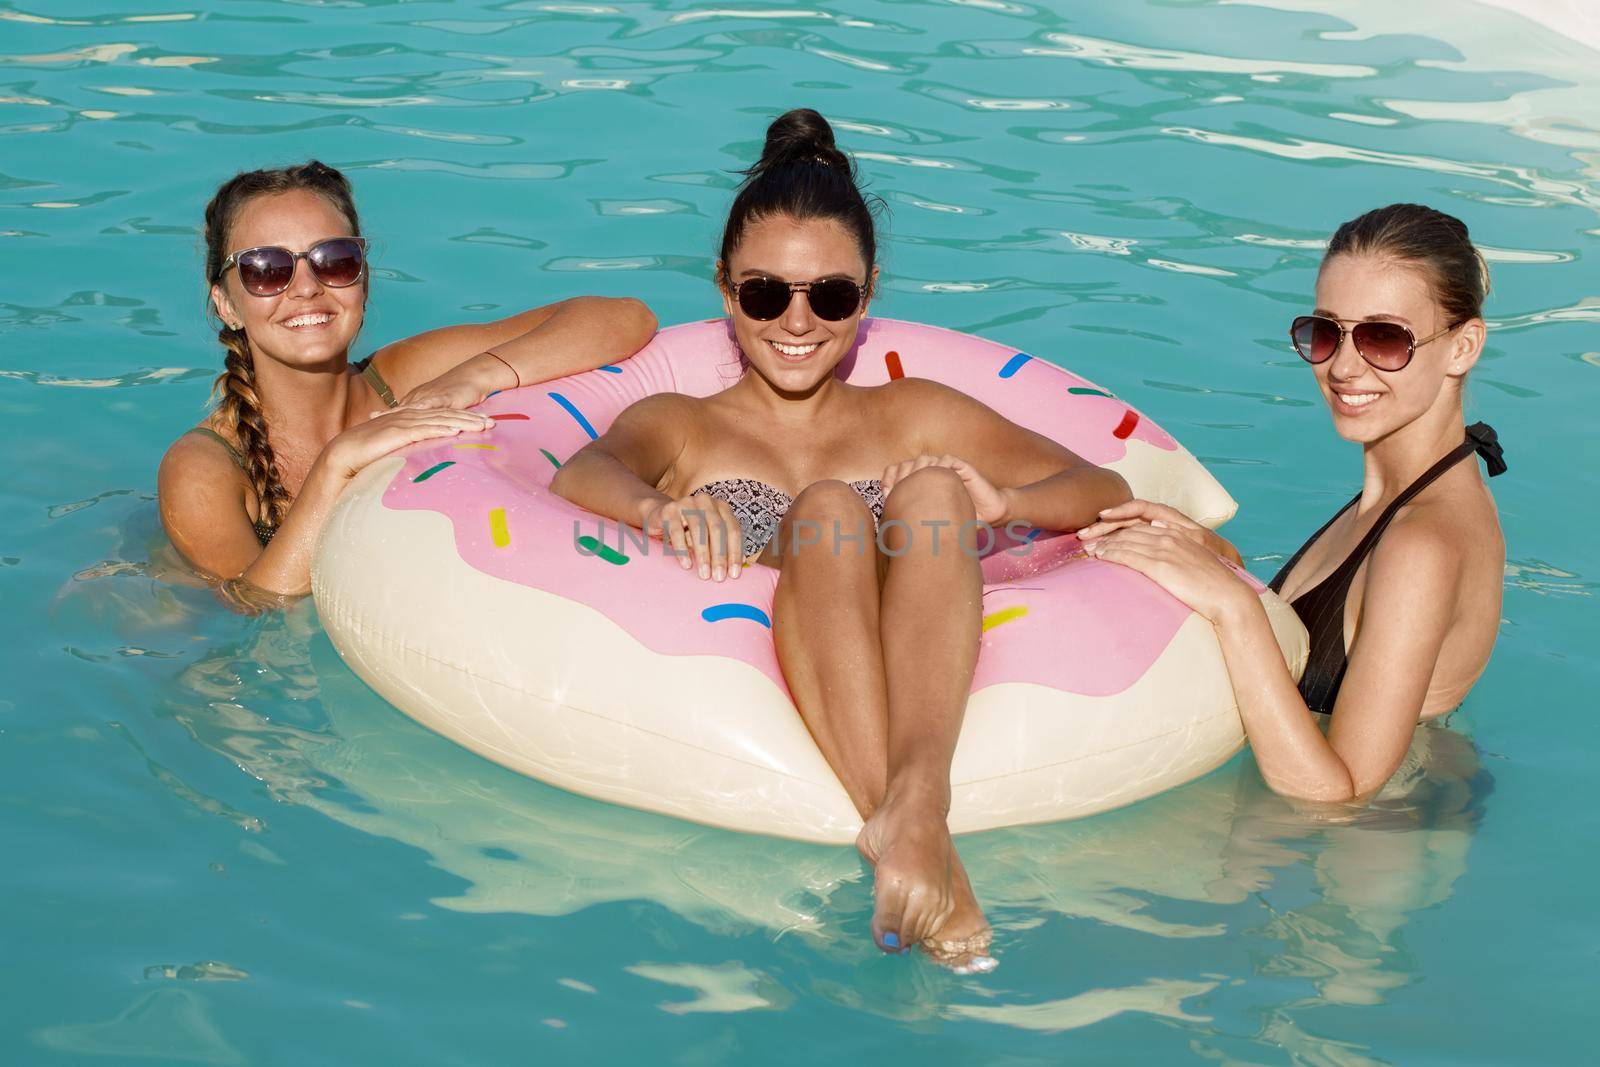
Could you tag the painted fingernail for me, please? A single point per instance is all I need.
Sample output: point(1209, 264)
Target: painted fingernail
point(891, 939)
point(1158, 522)
point(705, 572)
point(717, 573)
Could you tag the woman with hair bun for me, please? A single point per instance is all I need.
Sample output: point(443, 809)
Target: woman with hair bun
point(245, 494)
point(876, 627)
point(1400, 590)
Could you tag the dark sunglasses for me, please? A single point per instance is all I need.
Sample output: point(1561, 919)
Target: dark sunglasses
point(1385, 345)
point(268, 269)
point(831, 299)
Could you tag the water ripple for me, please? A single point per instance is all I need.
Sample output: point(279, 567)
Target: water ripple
point(1135, 57)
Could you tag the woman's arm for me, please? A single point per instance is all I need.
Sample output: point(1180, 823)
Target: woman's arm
point(1408, 602)
point(1135, 512)
point(1038, 481)
point(452, 367)
point(203, 498)
point(616, 476)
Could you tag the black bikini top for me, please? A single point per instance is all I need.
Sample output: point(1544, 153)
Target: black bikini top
point(1321, 607)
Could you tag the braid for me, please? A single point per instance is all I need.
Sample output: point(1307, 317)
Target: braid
point(240, 406)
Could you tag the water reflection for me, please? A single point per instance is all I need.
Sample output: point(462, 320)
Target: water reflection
point(1312, 899)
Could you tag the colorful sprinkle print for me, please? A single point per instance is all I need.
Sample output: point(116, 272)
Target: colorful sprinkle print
point(510, 416)
point(720, 612)
point(1125, 427)
point(595, 547)
point(499, 533)
point(892, 361)
point(553, 460)
point(577, 415)
point(1014, 364)
point(481, 448)
point(435, 469)
point(1083, 390)
point(1003, 616)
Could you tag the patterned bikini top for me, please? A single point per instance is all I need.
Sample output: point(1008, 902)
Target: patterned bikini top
point(760, 507)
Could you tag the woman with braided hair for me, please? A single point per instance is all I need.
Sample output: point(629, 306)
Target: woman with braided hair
point(245, 494)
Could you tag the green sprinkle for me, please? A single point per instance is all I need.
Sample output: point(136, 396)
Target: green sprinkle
point(599, 548)
point(435, 469)
point(551, 458)
point(1079, 390)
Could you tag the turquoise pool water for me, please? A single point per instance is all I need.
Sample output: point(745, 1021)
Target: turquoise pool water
point(220, 847)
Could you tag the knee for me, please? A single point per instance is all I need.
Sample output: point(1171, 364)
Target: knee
point(826, 513)
point(931, 492)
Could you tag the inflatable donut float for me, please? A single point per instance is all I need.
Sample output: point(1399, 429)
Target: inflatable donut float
point(513, 622)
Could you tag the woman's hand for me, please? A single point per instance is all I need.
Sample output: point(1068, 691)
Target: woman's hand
point(702, 530)
point(1178, 563)
point(1141, 512)
point(988, 503)
point(348, 453)
point(463, 386)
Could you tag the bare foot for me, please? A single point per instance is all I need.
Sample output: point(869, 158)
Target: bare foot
point(907, 840)
point(962, 943)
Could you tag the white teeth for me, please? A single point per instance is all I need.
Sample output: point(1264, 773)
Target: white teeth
point(794, 350)
point(1358, 400)
point(315, 319)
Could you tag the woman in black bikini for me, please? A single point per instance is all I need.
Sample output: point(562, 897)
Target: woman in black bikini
point(245, 494)
point(1400, 590)
point(792, 468)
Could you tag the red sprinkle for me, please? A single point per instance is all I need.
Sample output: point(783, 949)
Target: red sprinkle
point(1130, 419)
point(509, 415)
point(892, 360)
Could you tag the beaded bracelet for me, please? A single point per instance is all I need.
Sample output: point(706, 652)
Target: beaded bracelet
point(502, 359)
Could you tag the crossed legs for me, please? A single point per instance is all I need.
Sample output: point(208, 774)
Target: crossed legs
point(878, 648)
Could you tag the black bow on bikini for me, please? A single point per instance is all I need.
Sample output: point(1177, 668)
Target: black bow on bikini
point(1487, 444)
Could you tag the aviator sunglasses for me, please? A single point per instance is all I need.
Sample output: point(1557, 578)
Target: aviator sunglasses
point(267, 270)
point(1387, 346)
point(832, 299)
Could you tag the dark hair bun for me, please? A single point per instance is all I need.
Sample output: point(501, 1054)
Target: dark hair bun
point(802, 174)
point(800, 136)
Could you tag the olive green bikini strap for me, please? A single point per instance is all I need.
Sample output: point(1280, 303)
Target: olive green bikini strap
point(233, 453)
point(374, 379)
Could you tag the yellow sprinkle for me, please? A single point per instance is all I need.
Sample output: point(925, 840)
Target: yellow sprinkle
point(1003, 616)
point(498, 533)
point(486, 448)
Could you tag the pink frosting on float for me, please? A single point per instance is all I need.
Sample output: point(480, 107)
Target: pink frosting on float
point(1083, 626)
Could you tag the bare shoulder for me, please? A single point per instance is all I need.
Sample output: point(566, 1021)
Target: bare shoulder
point(924, 401)
point(197, 468)
point(663, 407)
point(1438, 541)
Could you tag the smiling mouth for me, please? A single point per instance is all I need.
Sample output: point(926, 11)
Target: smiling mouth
point(314, 318)
point(1356, 400)
point(795, 352)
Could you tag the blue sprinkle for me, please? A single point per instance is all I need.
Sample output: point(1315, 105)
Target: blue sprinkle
point(1033, 534)
point(719, 612)
point(1013, 364)
point(611, 369)
point(575, 413)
